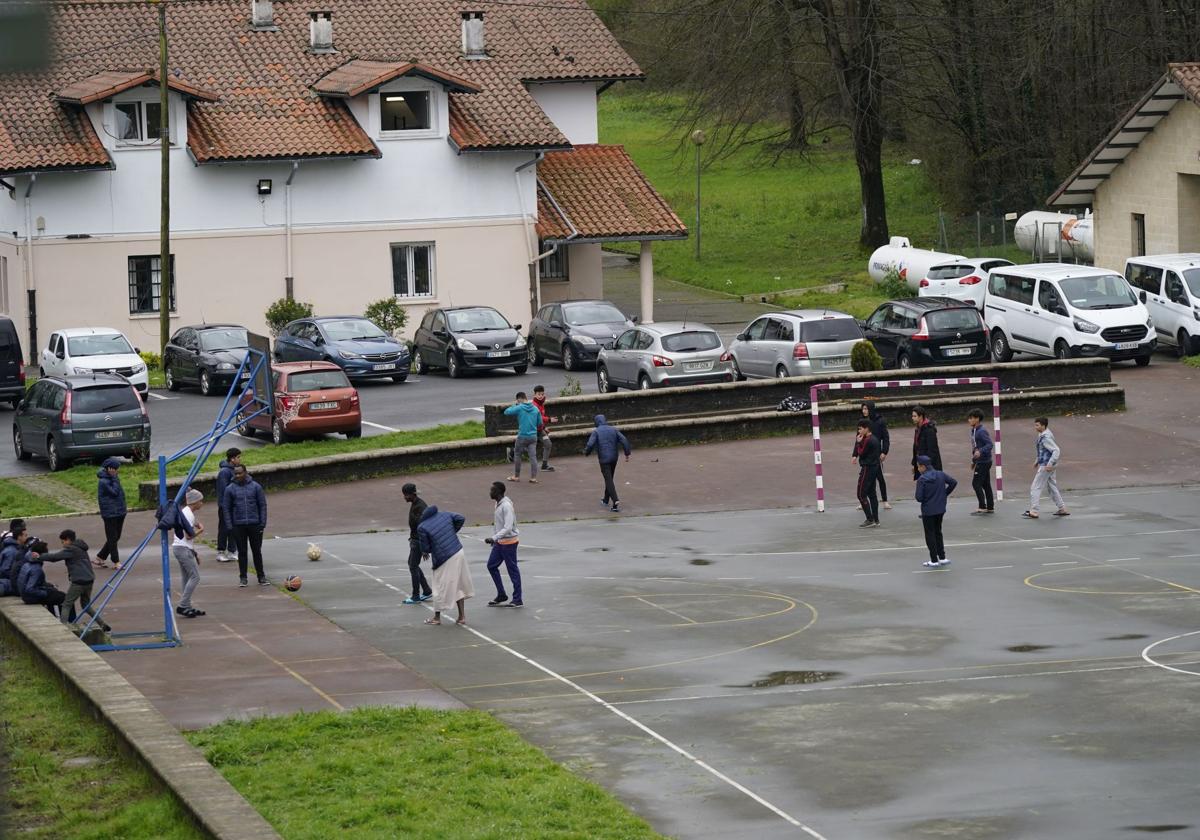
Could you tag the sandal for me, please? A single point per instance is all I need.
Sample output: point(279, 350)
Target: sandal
point(433, 621)
point(513, 478)
point(1029, 515)
point(461, 622)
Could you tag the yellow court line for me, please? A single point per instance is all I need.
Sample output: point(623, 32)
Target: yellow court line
point(316, 690)
point(791, 605)
point(1029, 582)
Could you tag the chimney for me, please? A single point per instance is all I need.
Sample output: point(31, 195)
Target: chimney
point(473, 44)
point(262, 15)
point(320, 32)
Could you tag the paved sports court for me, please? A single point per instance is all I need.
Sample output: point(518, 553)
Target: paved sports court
point(781, 673)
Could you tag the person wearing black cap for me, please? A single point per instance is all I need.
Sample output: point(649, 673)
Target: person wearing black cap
point(933, 486)
point(421, 590)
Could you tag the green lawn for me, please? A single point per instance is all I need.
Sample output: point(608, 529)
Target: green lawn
point(413, 773)
point(1192, 361)
point(17, 501)
point(112, 798)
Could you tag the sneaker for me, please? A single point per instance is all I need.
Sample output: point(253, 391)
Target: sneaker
point(604, 503)
point(943, 562)
point(931, 564)
point(547, 468)
point(498, 601)
point(242, 583)
point(264, 581)
point(867, 523)
point(887, 505)
point(222, 557)
point(181, 610)
point(517, 604)
point(616, 508)
point(428, 596)
point(412, 599)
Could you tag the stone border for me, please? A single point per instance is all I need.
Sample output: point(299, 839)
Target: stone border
point(213, 803)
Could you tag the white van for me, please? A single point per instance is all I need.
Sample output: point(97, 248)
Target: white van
point(1066, 311)
point(1169, 285)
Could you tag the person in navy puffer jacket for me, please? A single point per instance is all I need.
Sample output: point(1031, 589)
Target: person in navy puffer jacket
point(244, 506)
point(12, 553)
point(933, 486)
point(111, 497)
point(437, 536)
point(608, 443)
point(225, 543)
point(33, 585)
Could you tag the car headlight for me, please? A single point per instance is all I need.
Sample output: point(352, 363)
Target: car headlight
point(1085, 326)
point(463, 344)
point(222, 366)
point(1149, 323)
point(586, 340)
point(520, 341)
point(346, 354)
point(138, 368)
point(83, 371)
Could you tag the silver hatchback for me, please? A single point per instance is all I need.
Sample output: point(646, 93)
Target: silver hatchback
point(798, 342)
point(663, 355)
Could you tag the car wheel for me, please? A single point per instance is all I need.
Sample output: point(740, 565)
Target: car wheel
point(644, 383)
point(205, 383)
point(603, 385)
point(1001, 352)
point(453, 365)
point(53, 458)
point(419, 363)
point(781, 372)
point(354, 434)
point(243, 427)
point(396, 380)
point(532, 354)
point(1184, 340)
point(1061, 350)
point(169, 376)
point(19, 446)
point(1143, 361)
point(278, 435)
point(737, 371)
point(521, 369)
point(570, 361)
point(903, 361)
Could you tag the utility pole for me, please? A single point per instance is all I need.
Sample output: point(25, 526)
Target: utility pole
point(698, 138)
point(164, 143)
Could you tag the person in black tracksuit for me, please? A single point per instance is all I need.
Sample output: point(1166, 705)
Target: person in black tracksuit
point(867, 450)
point(421, 590)
point(981, 462)
point(879, 428)
point(925, 441)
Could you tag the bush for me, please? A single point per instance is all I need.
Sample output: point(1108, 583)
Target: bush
point(285, 310)
point(572, 387)
point(153, 360)
point(864, 356)
point(387, 314)
point(893, 286)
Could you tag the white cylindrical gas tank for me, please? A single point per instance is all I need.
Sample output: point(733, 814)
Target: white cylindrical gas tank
point(911, 263)
point(1048, 235)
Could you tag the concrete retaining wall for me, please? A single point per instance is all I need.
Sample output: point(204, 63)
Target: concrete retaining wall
point(213, 803)
point(764, 394)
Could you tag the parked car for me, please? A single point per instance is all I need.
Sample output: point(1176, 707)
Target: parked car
point(661, 355)
point(12, 363)
point(208, 355)
point(311, 398)
point(1063, 310)
point(77, 416)
point(468, 338)
point(574, 331)
point(794, 343)
point(1169, 286)
point(352, 343)
point(85, 350)
point(965, 279)
point(929, 331)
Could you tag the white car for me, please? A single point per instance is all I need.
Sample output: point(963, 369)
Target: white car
point(84, 350)
point(1169, 285)
point(965, 279)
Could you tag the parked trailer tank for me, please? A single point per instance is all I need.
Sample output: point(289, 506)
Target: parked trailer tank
point(911, 263)
point(1049, 235)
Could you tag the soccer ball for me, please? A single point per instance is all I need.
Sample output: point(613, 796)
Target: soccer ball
point(292, 583)
point(314, 552)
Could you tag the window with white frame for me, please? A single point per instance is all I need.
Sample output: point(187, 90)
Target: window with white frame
point(405, 110)
point(412, 269)
point(145, 284)
point(137, 121)
point(555, 266)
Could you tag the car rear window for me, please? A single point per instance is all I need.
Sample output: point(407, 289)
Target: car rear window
point(317, 380)
point(108, 398)
point(691, 341)
point(830, 329)
point(949, 272)
point(953, 319)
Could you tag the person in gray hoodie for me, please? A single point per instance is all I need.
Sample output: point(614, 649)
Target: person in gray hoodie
point(74, 555)
point(503, 541)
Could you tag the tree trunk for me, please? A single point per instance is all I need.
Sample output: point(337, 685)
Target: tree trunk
point(868, 155)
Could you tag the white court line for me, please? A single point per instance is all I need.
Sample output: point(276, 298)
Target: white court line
point(626, 717)
point(379, 426)
point(1047, 547)
point(1152, 661)
point(984, 568)
point(870, 574)
point(1063, 563)
point(159, 396)
point(1122, 559)
point(1176, 556)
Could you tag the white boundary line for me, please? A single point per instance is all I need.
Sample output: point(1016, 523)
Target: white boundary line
point(708, 768)
point(379, 426)
point(1152, 661)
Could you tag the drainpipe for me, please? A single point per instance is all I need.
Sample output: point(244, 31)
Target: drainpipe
point(30, 285)
point(289, 278)
point(537, 261)
point(534, 292)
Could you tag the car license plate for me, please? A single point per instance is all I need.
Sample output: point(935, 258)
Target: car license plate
point(109, 435)
point(497, 354)
point(325, 406)
point(694, 367)
point(959, 351)
point(836, 361)
point(1125, 345)
point(389, 366)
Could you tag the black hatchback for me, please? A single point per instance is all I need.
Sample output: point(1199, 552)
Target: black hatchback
point(926, 332)
point(468, 338)
point(207, 355)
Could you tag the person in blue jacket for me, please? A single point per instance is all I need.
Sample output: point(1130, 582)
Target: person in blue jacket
point(981, 463)
point(608, 443)
point(225, 542)
point(244, 506)
point(32, 583)
point(529, 420)
point(437, 536)
point(12, 549)
point(933, 486)
point(111, 497)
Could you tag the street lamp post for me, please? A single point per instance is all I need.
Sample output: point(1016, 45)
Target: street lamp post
point(164, 145)
point(698, 139)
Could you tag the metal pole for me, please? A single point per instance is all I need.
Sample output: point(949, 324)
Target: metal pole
point(813, 398)
point(978, 234)
point(996, 441)
point(164, 225)
point(168, 615)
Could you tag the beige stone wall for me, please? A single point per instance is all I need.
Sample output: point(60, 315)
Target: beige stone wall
point(234, 277)
point(1148, 183)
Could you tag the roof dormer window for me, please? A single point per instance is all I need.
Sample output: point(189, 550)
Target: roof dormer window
point(137, 122)
point(407, 110)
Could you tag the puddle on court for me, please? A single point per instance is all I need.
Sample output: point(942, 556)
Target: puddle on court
point(1027, 648)
point(700, 561)
point(776, 678)
point(1128, 637)
point(1157, 829)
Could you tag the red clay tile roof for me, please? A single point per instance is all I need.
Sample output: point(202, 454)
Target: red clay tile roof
point(603, 195)
point(111, 82)
point(359, 76)
point(266, 107)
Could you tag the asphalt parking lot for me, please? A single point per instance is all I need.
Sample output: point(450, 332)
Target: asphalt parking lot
point(779, 673)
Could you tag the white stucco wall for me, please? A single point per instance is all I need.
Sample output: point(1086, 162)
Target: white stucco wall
point(572, 107)
point(1148, 183)
point(586, 279)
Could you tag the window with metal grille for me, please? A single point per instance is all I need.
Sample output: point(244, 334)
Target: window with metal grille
point(556, 266)
point(145, 284)
point(412, 269)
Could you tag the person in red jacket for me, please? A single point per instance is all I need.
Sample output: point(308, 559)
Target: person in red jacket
point(543, 441)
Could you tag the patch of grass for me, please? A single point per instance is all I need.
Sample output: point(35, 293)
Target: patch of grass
point(414, 773)
point(15, 499)
point(83, 476)
point(43, 728)
point(1192, 361)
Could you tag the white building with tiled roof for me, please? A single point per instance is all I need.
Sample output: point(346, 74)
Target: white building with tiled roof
point(342, 151)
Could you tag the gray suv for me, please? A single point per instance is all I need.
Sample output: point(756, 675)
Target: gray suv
point(798, 342)
point(663, 355)
point(68, 417)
